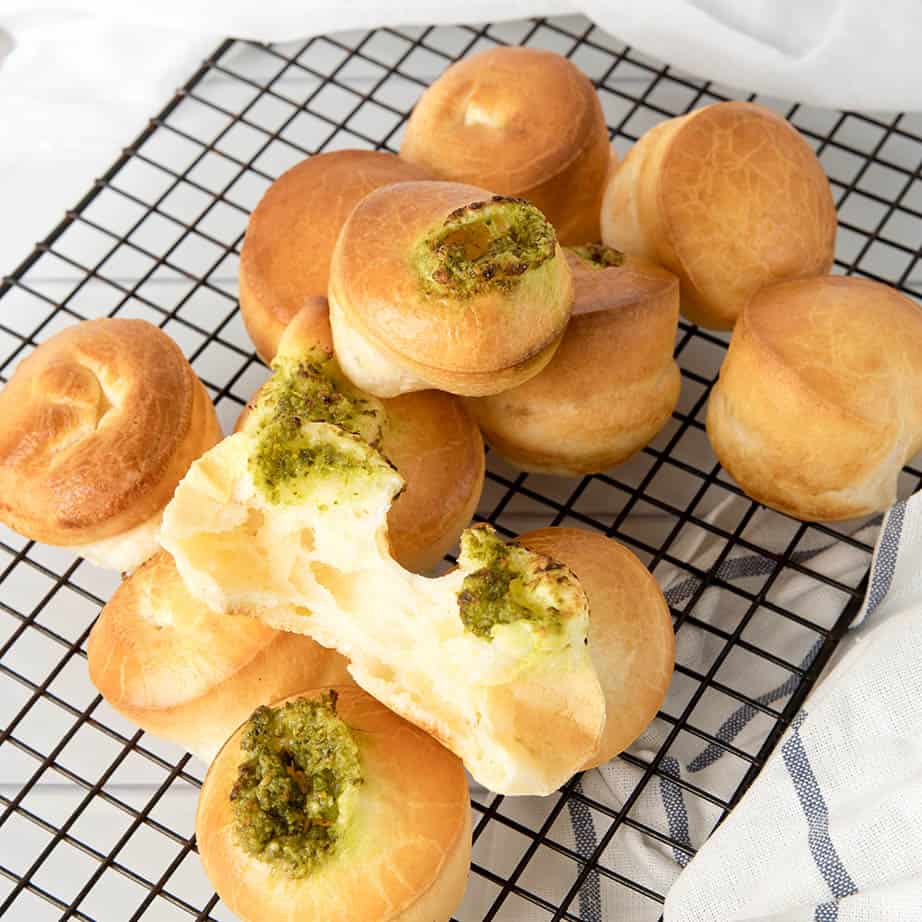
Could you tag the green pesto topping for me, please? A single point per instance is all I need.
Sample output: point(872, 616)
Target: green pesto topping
point(292, 456)
point(598, 255)
point(310, 389)
point(484, 246)
point(288, 799)
point(507, 583)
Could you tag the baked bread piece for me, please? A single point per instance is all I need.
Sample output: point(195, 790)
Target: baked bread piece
point(100, 423)
point(631, 639)
point(330, 807)
point(431, 440)
point(819, 400)
point(290, 516)
point(176, 669)
point(437, 284)
point(521, 122)
point(612, 384)
point(730, 198)
point(290, 235)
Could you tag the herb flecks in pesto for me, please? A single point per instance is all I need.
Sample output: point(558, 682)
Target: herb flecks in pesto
point(507, 583)
point(291, 455)
point(599, 256)
point(483, 246)
point(288, 799)
point(310, 389)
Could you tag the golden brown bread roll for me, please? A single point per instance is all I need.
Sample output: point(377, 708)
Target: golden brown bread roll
point(631, 639)
point(611, 385)
point(100, 423)
point(819, 400)
point(290, 235)
point(335, 809)
point(430, 439)
point(181, 671)
point(443, 285)
point(522, 122)
point(730, 198)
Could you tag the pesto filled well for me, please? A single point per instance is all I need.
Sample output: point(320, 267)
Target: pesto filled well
point(290, 800)
point(598, 256)
point(292, 457)
point(483, 246)
point(508, 584)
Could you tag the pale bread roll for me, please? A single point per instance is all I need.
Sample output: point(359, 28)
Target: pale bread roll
point(522, 122)
point(819, 401)
point(100, 423)
point(631, 639)
point(730, 198)
point(437, 284)
point(290, 236)
point(430, 439)
point(610, 387)
point(405, 852)
point(180, 671)
point(500, 675)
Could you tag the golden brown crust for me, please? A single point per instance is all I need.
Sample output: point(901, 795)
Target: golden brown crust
point(99, 425)
point(518, 121)
point(404, 858)
point(180, 671)
point(459, 345)
point(730, 198)
point(611, 385)
point(437, 448)
point(818, 402)
point(434, 444)
point(291, 233)
point(631, 639)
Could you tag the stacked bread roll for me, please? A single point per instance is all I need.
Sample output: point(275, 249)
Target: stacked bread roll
point(504, 275)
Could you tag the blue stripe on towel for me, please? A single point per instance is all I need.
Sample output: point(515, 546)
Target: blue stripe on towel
point(674, 807)
point(827, 912)
point(885, 564)
point(590, 893)
point(736, 722)
point(816, 813)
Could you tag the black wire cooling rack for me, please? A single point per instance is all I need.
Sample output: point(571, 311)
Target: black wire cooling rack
point(96, 818)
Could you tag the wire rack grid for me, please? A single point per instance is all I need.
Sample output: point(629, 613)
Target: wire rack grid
point(96, 818)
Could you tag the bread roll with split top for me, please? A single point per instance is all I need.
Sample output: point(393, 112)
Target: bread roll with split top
point(100, 423)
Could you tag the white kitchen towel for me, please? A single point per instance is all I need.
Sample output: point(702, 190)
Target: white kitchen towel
point(832, 827)
point(833, 824)
point(842, 53)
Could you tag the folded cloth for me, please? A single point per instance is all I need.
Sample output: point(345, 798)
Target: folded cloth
point(830, 782)
point(832, 827)
point(842, 53)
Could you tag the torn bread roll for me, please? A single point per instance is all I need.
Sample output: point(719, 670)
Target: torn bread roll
point(631, 638)
point(290, 236)
point(290, 515)
point(819, 401)
point(612, 384)
point(327, 806)
point(522, 122)
point(167, 663)
point(100, 423)
point(431, 440)
point(436, 284)
point(731, 199)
